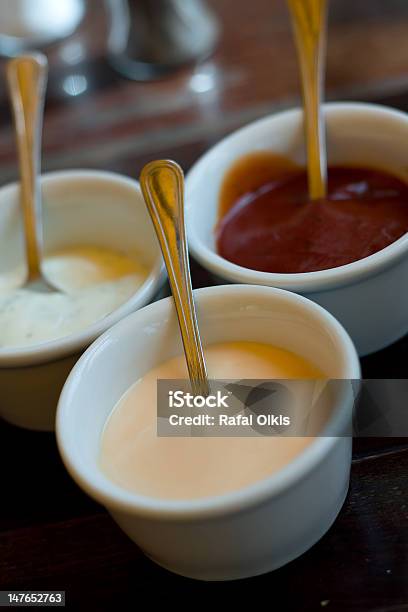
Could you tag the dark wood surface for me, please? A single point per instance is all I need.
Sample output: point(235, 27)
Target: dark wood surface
point(53, 536)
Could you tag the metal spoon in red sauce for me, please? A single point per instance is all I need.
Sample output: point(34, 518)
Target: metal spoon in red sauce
point(268, 224)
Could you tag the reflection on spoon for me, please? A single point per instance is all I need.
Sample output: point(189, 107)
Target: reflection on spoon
point(162, 184)
point(27, 79)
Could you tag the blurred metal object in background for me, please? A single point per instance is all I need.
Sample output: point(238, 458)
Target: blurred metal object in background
point(34, 24)
point(150, 38)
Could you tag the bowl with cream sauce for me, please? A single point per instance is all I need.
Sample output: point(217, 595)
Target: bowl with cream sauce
point(249, 220)
point(212, 508)
point(101, 252)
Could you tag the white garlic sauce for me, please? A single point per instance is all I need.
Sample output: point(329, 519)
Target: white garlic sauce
point(94, 282)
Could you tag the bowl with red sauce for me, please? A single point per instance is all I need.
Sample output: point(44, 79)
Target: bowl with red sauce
point(250, 219)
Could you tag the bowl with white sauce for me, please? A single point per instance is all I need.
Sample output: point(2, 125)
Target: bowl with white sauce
point(101, 252)
point(214, 526)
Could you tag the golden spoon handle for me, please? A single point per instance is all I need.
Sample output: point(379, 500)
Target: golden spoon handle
point(162, 184)
point(309, 18)
point(27, 78)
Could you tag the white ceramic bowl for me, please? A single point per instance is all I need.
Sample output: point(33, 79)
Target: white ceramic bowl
point(80, 207)
point(370, 296)
point(239, 534)
point(31, 25)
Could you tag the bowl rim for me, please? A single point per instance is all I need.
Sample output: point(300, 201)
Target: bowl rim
point(53, 350)
point(307, 282)
point(116, 498)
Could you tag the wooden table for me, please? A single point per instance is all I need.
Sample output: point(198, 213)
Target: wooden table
point(51, 535)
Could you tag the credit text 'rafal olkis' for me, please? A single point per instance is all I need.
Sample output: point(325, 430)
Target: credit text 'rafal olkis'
point(180, 399)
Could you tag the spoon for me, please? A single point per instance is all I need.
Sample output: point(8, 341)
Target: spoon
point(309, 19)
point(27, 79)
point(162, 184)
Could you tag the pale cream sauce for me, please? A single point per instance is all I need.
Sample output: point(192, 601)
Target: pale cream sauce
point(133, 456)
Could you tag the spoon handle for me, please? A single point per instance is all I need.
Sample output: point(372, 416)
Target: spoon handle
point(309, 18)
point(27, 79)
point(162, 185)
